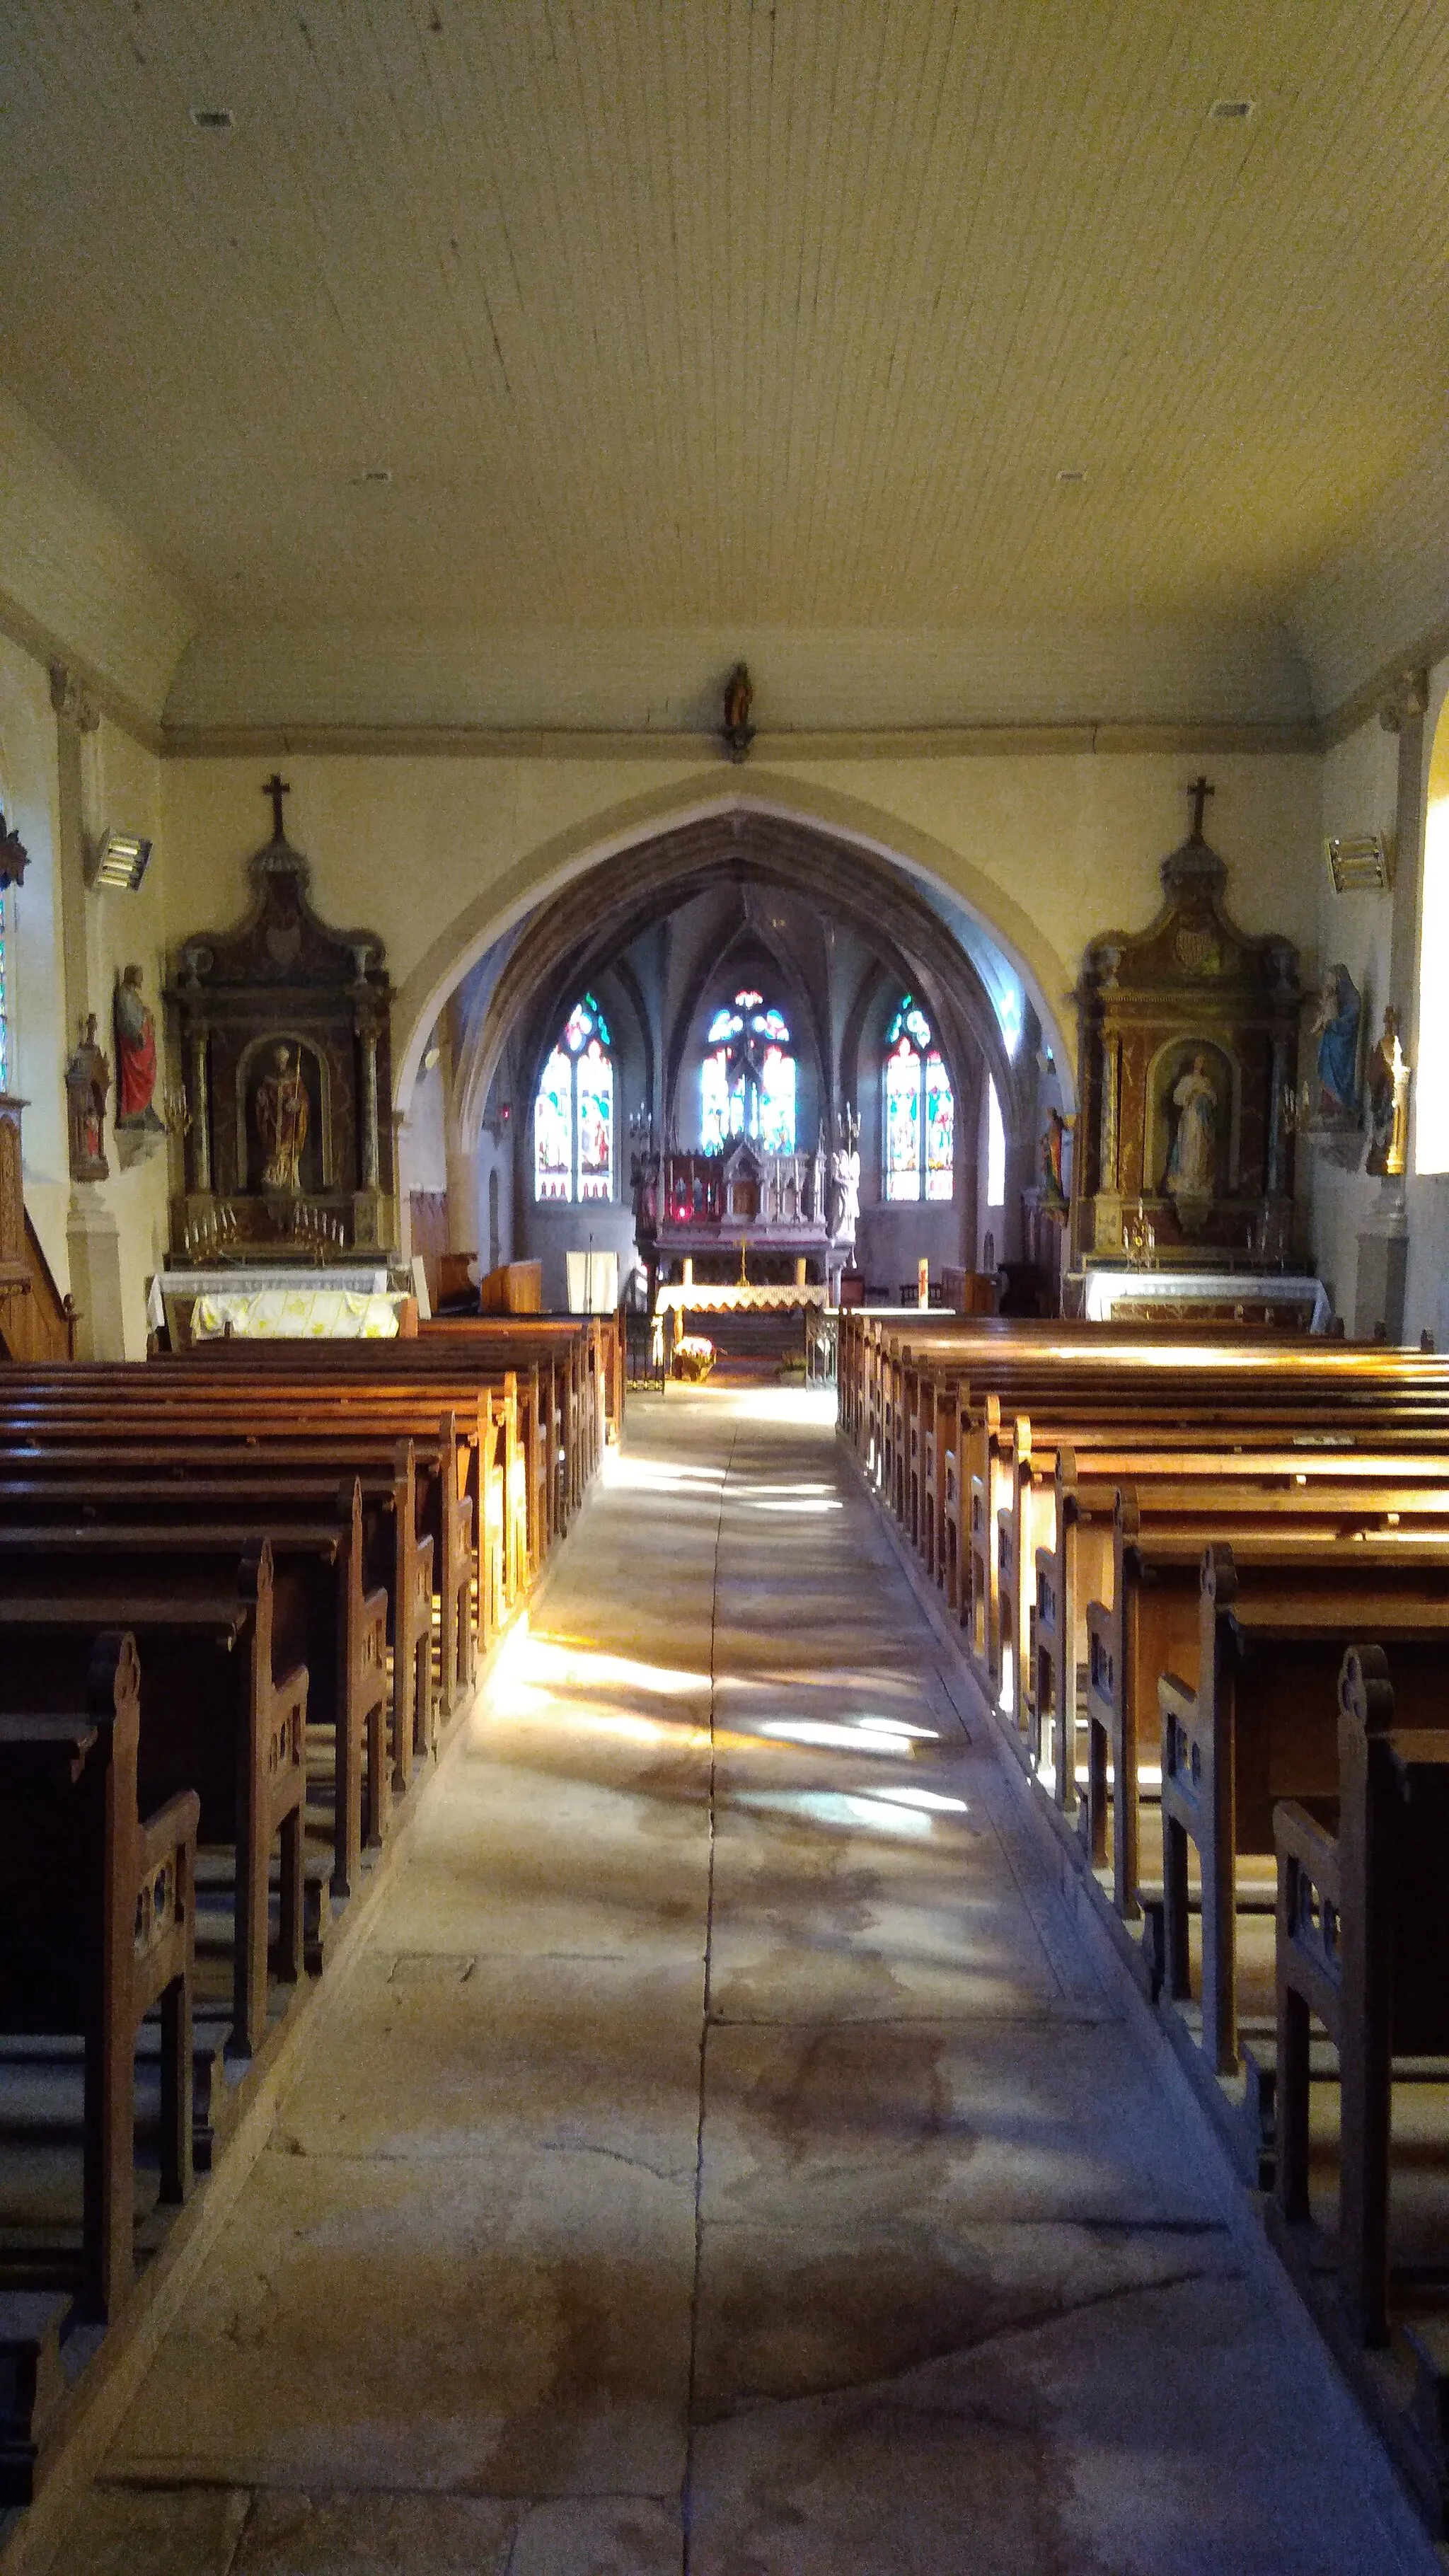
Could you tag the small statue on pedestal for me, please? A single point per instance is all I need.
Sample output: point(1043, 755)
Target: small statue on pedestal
point(1388, 1103)
point(845, 1186)
point(1054, 1203)
point(737, 732)
point(87, 1082)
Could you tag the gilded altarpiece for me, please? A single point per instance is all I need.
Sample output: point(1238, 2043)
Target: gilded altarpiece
point(1188, 1036)
point(283, 1031)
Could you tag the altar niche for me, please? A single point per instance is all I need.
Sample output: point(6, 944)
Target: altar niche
point(1188, 1044)
point(282, 1028)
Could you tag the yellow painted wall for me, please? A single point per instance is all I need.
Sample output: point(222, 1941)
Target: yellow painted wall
point(438, 855)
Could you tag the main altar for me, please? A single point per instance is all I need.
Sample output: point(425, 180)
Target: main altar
point(685, 1202)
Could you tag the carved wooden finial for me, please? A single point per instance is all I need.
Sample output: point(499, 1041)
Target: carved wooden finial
point(277, 787)
point(1199, 791)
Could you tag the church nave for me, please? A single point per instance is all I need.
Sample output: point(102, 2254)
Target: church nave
point(719, 2159)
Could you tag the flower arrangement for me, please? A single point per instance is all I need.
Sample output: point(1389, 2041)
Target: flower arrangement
point(693, 1357)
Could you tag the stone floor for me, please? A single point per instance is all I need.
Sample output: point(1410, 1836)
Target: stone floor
point(720, 2160)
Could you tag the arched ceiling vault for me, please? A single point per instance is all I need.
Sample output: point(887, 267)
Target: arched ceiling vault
point(570, 940)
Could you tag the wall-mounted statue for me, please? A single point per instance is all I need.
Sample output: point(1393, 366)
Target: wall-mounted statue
point(845, 1185)
point(1054, 1203)
point(737, 733)
point(87, 1083)
point(1336, 1026)
point(135, 1057)
point(1388, 1103)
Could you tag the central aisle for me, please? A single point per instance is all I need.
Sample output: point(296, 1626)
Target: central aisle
point(719, 2161)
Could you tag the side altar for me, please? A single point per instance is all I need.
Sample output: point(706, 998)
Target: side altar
point(1188, 1043)
point(284, 1030)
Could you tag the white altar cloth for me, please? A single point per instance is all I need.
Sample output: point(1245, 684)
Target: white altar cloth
point(727, 1297)
point(1115, 1293)
point(280, 1305)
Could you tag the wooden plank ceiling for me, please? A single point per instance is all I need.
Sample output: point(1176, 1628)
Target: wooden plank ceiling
point(701, 311)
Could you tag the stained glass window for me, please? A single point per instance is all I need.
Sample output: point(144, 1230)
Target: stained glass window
point(940, 1128)
point(573, 1113)
point(920, 1111)
point(747, 1079)
point(903, 1121)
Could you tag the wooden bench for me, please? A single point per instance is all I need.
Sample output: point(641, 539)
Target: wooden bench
point(324, 1616)
point(292, 1425)
point(214, 1715)
point(1363, 1948)
point(1222, 1481)
point(1260, 1724)
point(97, 1927)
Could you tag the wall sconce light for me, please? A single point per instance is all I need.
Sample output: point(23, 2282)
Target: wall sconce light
point(120, 861)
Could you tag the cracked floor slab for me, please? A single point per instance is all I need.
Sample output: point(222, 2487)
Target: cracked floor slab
point(724, 2160)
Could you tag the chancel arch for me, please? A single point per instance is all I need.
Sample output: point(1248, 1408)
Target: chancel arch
point(748, 968)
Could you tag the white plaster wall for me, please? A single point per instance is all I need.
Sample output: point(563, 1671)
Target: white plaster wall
point(1426, 1304)
point(426, 1152)
point(37, 967)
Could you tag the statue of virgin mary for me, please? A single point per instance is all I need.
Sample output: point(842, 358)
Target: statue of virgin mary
point(1192, 1164)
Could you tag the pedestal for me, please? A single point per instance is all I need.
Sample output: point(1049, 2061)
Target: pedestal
point(93, 1243)
point(1383, 1265)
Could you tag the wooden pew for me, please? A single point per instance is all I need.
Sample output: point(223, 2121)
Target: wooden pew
point(1152, 1625)
point(1363, 1948)
point(1259, 1723)
point(97, 1926)
point(1220, 1478)
point(214, 1715)
point(324, 1616)
point(1007, 1451)
point(112, 1418)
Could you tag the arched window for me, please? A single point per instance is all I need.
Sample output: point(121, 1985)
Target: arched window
point(919, 1110)
point(573, 1115)
point(747, 1079)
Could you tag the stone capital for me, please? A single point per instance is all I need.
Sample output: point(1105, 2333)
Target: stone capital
point(70, 701)
point(1408, 697)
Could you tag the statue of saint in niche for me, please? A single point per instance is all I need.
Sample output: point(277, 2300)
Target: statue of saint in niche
point(283, 1113)
point(1192, 1163)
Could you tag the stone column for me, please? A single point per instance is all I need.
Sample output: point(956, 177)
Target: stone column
point(460, 1156)
point(200, 1114)
point(1383, 1244)
point(93, 1240)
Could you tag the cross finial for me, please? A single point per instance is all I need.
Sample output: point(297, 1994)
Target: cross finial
point(276, 787)
point(1199, 791)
